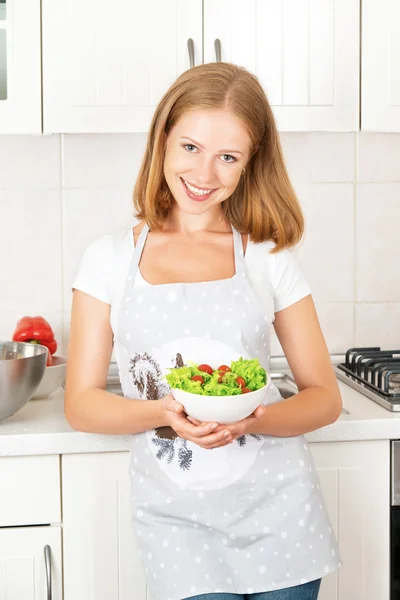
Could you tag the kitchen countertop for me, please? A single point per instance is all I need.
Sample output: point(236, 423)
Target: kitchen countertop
point(40, 428)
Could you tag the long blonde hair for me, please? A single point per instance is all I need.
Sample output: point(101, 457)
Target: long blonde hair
point(264, 204)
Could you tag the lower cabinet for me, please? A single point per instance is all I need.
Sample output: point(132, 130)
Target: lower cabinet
point(355, 481)
point(101, 560)
point(30, 563)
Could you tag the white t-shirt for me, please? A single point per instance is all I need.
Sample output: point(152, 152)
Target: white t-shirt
point(277, 279)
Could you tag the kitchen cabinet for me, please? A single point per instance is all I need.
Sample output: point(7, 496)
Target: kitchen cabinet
point(101, 560)
point(20, 67)
point(355, 480)
point(26, 571)
point(106, 66)
point(380, 110)
point(305, 53)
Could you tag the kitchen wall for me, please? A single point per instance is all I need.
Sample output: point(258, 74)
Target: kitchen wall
point(57, 193)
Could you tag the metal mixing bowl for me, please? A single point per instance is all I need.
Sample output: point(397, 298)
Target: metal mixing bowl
point(22, 366)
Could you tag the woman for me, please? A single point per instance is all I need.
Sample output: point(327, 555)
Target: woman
point(206, 272)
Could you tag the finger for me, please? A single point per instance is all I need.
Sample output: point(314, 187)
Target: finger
point(259, 412)
point(197, 431)
point(172, 405)
point(214, 440)
point(194, 421)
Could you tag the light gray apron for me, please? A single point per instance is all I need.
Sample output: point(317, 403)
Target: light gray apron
point(245, 518)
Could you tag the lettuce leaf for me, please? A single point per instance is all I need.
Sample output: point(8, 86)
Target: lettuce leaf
point(250, 370)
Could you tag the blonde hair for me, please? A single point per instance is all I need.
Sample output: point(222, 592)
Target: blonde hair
point(264, 204)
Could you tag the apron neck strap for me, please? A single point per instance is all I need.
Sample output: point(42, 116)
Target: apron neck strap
point(238, 249)
point(138, 251)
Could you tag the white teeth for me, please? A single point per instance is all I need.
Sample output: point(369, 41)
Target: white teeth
point(195, 190)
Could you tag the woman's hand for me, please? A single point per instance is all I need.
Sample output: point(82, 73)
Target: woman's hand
point(240, 427)
point(205, 435)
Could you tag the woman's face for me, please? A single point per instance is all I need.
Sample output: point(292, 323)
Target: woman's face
point(205, 154)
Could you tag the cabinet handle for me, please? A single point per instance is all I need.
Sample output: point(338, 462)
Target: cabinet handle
point(190, 45)
point(47, 564)
point(217, 46)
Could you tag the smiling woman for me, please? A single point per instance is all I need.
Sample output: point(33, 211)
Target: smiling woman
point(201, 279)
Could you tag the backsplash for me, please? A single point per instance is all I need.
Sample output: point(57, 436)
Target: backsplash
point(58, 193)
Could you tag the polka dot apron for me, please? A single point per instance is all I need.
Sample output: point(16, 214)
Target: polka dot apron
point(245, 518)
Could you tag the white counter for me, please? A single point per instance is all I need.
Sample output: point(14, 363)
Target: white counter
point(40, 428)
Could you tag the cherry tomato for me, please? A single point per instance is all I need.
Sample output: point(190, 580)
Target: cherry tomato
point(241, 382)
point(198, 378)
point(220, 377)
point(223, 368)
point(245, 390)
point(206, 369)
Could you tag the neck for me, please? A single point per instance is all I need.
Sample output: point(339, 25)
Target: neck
point(211, 220)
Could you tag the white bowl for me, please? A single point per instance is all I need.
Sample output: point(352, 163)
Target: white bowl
point(53, 377)
point(221, 409)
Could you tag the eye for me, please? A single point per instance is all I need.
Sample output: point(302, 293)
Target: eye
point(189, 147)
point(228, 156)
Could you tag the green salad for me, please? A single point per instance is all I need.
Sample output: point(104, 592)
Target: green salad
point(241, 377)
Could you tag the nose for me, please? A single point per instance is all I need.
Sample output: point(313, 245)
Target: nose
point(206, 170)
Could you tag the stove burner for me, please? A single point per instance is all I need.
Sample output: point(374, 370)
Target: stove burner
point(376, 369)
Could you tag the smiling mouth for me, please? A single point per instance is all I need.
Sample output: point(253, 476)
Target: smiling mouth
point(199, 192)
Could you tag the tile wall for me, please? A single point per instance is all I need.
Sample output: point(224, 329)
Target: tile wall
point(58, 193)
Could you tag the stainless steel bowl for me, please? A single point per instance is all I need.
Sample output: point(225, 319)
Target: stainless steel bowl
point(22, 366)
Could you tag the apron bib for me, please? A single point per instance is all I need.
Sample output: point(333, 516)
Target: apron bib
point(245, 518)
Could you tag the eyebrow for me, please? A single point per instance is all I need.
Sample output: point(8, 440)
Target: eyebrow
point(202, 147)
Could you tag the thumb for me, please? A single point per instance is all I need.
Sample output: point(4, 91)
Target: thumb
point(259, 412)
point(171, 404)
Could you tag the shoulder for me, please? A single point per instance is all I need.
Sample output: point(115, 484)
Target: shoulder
point(280, 270)
point(103, 263)
point(110, 247)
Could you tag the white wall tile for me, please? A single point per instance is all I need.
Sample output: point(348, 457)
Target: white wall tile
point(30, 161)
point(30, 247)
point(327, 252)
point(379, 157)
point(102, 160)
point(319, 157)
point(88, 214)
point(378, 324)
point(378, 242)
point(337, 324)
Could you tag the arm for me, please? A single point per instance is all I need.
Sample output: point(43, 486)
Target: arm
point(318, 402)
point(88, 407)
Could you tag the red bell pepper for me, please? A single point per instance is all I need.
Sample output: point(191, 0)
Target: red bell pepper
point(37, 331)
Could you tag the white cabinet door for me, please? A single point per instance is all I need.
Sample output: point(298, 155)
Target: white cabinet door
point(355, 480)
point(380, 108)
point(20, 67)
point(23, 572)
point(101, 560)
point(107, 64)
point(305, 53)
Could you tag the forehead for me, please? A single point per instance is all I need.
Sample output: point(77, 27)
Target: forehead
point(217, 127)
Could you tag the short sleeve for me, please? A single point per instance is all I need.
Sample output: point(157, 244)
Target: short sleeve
point(94, 271)
point(288, 280)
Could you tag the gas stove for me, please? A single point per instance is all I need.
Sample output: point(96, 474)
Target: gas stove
point(373, 372)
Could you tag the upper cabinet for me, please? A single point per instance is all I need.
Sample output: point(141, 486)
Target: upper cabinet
point(90, 66)
point(380, 110)
point(20, 67)
point(107, 65)
point(305, 53)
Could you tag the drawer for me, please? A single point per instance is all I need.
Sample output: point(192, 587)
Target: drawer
point(30, 490)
